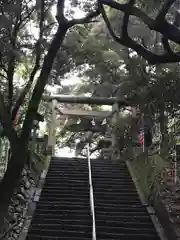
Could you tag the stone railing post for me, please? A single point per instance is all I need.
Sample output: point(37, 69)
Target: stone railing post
point(33, 139)
point(4, 155)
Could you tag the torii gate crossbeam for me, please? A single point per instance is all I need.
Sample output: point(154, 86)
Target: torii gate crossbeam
point(86, 100)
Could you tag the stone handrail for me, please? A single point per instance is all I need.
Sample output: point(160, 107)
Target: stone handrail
point(91, 196)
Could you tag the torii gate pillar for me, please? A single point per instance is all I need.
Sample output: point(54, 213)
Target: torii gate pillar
point(52, 128)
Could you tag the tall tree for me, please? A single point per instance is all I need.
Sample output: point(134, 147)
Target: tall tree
point(19, 144)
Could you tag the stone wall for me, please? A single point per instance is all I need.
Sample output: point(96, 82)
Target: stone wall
point(21, 199)
point(157, 183)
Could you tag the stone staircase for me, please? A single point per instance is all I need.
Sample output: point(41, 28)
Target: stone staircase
point(63, 211)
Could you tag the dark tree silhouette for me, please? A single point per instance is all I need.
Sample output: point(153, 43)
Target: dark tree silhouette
point(169, 31)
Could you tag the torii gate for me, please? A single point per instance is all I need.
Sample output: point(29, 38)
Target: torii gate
point(116, 104)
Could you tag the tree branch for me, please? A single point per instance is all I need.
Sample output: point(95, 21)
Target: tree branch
point(86, 19)
point(126, 19)
point(60, 11)
point(36, 66)
point(162, 13)
point(152, 58)
point(177, 19)
point(3, 76)
point(167, 29)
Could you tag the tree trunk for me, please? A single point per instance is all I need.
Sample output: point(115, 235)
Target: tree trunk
point(9, 183)
point(18, 159)
point(42, 81)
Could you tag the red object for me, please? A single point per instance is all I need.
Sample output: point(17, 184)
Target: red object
point(16, 119)
point(141, 138)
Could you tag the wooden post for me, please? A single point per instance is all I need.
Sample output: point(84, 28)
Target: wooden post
point(52, 128)
point(115, 110)
point(33, 140)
